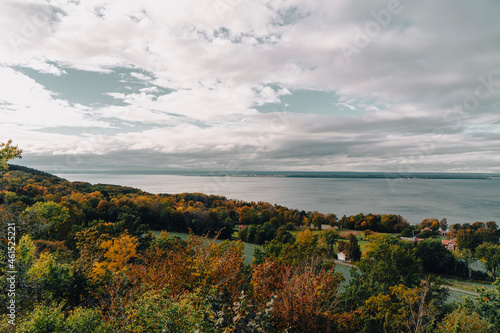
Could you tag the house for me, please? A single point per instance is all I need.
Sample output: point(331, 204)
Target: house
point(443, 233)
point(450, 244)
point(341, 255)
point(242, 226)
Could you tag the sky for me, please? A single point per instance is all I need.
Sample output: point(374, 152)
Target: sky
point(264, 85)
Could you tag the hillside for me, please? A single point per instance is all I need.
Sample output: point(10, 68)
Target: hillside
point(78, 257)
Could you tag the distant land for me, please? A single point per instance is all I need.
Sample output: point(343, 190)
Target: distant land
point(291, 174)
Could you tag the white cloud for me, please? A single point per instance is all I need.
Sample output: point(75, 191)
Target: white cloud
point(224, 58)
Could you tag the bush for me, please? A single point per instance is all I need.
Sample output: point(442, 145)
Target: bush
point(50, 319)
point(85, 321)
point(44, 319)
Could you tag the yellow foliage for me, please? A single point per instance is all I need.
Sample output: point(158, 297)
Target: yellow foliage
point(118, 253)
point(305, 236)
point(41, 267)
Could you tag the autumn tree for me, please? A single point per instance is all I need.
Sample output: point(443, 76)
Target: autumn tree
point(8, 152)
point(404, 309)
point(463, 320)
point(304, 300)
point(118, 252)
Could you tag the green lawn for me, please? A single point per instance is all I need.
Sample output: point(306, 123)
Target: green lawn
point(247, 250)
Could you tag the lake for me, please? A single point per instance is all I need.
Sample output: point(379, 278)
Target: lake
point(459, 200)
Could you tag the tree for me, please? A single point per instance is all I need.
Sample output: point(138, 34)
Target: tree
point(353, 249)
point(466, 239)
point(490, 253)
point(8, 152)
point(119, 251)
point(443, 224)
point(318, 220)
point(53, 216)
point(468, 258)
point(492, 225)
point(405, 309)
point(435, 257)
point(463, 320)
point(389, 260)
point(329, 238)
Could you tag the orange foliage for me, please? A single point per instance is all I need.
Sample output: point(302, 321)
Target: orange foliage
point(187, 266)
point(303, 301)
point(119, 251)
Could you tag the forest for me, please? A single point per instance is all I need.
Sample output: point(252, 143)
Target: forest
point(76, 257)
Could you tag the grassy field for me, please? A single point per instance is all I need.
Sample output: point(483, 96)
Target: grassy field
point(247, 250)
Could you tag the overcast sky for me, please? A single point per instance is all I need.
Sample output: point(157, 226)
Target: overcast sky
point(323, 85)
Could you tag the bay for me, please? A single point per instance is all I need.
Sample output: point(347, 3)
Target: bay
point(459, 200)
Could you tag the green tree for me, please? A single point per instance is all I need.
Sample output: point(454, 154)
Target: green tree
point(490, 254)
point(329, 238)
point(387, 262)
point(390, 260)
point(53, 216)
point(468, 258)
point(8, 152)
point(435, 257)
point(466, 239)
point(353, 249)
point(443, 224)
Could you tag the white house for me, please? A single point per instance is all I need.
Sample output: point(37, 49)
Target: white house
point(341, 255)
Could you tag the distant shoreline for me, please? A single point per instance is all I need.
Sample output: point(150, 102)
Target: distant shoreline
point(291, 174)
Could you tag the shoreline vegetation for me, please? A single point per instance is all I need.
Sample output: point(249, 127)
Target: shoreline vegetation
point(107, 258)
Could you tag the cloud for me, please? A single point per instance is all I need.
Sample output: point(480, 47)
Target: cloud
point(276, 84)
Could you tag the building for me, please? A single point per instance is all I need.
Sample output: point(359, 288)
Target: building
point(341, 255)
point(449, 244)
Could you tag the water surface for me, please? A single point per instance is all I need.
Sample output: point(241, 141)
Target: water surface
point(459, 200)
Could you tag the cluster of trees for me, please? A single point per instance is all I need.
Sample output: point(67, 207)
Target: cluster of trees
point(476, 241)
point(389, 223)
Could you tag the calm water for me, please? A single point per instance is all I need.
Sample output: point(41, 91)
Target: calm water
point(459, 200)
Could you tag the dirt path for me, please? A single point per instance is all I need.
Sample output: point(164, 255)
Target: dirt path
point(458, 290)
